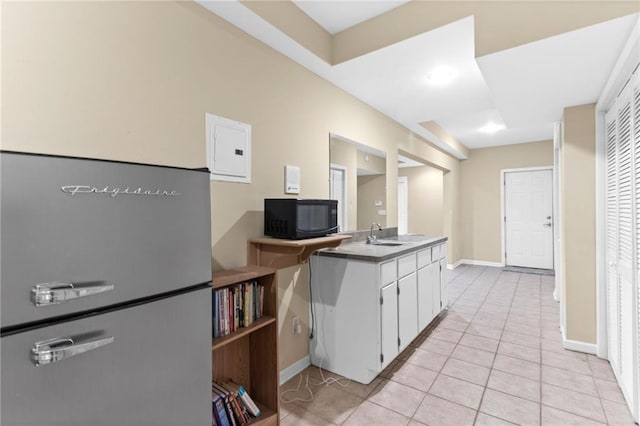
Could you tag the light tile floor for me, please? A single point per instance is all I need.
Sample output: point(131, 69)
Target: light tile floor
point(494, 358)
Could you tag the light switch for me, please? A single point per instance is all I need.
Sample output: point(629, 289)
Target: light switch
point(291, 180)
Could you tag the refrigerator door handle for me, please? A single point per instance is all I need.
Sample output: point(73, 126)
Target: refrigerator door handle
point(57, 349)
point(54, 293)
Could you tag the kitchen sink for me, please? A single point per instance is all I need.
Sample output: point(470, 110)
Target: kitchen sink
point(387, 244)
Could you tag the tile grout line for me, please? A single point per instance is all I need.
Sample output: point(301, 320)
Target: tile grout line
point(496, 354)
point(497, 278)
point(448, 356)
point(606, 417)
point(540, 349)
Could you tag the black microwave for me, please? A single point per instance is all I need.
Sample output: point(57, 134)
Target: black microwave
point(298, 219)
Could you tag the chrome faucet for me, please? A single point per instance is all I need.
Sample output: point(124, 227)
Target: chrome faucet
point(371, 239)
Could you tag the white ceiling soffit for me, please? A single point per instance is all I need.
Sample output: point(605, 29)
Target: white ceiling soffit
point(360, 146)
point(336, 16)
point(533, 83)
point(525, 88)
point(405, 162)
point(243, 18)
point(394, 79)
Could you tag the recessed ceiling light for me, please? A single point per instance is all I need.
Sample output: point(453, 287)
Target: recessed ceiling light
point(491, 127)
point(441, 76)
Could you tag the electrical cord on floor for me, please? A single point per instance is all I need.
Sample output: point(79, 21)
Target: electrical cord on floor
point(306, 386)
point(311, 308)
point(325, 354)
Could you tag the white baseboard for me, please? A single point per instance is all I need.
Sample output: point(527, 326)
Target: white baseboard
point(294, 369)
point(578, 346)
point(481, 263)
point(455, 265)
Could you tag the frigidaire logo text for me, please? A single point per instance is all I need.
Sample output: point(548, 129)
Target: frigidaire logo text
point(112, 192)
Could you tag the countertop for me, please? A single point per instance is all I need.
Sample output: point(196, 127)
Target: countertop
point(379, 253)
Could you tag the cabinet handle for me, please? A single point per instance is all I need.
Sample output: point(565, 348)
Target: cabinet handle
point(55, 293)
point(57, 349)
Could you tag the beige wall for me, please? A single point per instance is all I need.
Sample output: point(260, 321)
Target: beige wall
point(480, 203)
point(426, 207)
point(452, 215)
point(133, 80)
point(579, 225)
point(371, 162)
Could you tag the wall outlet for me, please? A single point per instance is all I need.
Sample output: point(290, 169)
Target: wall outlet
point(296, 326)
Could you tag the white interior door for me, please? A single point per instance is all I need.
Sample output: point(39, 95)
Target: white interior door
point(338, 189)
point(528, 199)
point(403, 205)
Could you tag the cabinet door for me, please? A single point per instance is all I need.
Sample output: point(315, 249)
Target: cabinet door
point(407, 310)
point(444, 295)
point(435, 283)
point(425, 296)
point(388, 323)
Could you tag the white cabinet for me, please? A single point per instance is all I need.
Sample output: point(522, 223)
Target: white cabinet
point(407, 310)
point(367, 312)
point(425, 296)
point(436, 301)
point(388, 324)
point(442, 278)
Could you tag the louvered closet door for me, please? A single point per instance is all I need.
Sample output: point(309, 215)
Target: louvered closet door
point(636, 149)
point(613, 299)
point(626, 241)
point(623, 237)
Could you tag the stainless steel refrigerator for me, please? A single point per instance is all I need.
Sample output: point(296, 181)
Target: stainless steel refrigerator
point(105, 293)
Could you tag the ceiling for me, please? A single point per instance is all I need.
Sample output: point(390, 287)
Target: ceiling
point(336, 16)
point(523, 89)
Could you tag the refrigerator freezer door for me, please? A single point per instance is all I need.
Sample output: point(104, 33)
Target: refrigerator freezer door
point(156, 371)
point(83, 234)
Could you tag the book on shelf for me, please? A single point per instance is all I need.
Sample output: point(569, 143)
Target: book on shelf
point(240, 407)
point(243, 396)
point(219, 411)
point(237, 306)
point(234, 409)
point(227, 406)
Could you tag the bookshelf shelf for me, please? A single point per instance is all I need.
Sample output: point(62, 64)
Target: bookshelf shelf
point(239, 334)
point(249, 356)
point(268, 417)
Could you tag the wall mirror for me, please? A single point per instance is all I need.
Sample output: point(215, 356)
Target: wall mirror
point(420, 197)
point(357, 178)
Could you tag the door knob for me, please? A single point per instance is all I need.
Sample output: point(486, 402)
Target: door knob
point(547, 225)
point(548, 217)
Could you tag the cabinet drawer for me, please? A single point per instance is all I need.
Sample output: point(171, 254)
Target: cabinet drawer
point(424, 257)
point(435, 253)
point(406, 265)
point(443, 251)
point(388, 272)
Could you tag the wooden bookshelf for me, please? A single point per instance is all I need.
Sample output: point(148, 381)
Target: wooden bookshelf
point(249, 356)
